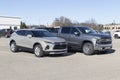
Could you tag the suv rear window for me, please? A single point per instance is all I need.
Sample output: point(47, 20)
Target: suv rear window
point(65, 30)
point(21, 32)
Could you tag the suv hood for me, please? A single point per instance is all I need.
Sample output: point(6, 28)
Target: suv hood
point(53, 39)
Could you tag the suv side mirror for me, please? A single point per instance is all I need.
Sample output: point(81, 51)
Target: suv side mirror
point(29, 35)
point(76, 33)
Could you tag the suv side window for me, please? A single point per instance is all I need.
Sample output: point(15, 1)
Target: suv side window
point(65, 30)
point(21, 32)
point(28, 33)
point(73, 30)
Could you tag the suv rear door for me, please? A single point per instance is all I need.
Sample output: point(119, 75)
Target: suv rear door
point(20, 38)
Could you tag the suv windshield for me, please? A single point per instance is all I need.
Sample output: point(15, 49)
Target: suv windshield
point(87, 30)
point(39, 33)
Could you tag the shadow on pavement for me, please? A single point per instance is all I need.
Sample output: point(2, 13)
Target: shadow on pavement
point(106, 52)
point(70, 52)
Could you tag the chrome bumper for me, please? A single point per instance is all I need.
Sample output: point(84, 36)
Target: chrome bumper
point(102, 47)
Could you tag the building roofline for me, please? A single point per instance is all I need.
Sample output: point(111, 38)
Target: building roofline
point(10, 17)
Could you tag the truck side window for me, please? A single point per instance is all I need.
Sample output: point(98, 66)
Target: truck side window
point(65, 30)
point(73, 30)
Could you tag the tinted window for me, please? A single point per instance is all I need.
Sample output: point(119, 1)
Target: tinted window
point(65, 30)
point(42, 34)
point(53, 30)
point(28, 33)
point(86, 30)
point(21, 32)
point(73, 30)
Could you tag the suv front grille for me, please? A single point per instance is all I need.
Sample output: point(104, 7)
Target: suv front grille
point(60, 45)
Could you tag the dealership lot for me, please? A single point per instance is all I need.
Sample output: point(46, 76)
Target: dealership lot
point(73, 66)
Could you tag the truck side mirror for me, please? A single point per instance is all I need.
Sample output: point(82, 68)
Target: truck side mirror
point(76, 33)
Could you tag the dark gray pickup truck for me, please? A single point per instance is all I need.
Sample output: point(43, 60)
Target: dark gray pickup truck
point(85, 39)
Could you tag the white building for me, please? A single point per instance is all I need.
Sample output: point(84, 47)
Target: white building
point(112, 27)
point(7, 22)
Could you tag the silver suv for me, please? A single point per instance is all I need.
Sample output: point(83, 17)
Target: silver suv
point(40, 41)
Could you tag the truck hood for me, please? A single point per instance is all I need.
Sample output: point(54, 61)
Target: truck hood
point(53, 39)
point(101, 35)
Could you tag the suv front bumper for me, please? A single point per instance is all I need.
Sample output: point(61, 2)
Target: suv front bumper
point(103, 47)
point(57, 52)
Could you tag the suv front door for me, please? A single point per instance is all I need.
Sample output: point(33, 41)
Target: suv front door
point(29, 40)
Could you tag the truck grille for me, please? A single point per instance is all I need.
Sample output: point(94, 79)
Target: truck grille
point(60, 45)
point(106, 41)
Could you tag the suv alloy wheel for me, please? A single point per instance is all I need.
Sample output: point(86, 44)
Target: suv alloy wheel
point(38, 51)
point(13, 47)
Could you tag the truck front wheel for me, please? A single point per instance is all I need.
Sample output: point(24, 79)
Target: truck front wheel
point(88, 48)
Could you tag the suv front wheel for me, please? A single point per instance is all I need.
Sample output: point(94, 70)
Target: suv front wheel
point(88, 48)
point(38, 51)
point(13, 47)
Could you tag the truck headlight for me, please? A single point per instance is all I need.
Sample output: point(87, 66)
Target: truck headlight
point(97, 40)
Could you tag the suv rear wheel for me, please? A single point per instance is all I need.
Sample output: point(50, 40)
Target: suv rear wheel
point(88, 48)
point(13, 47)
point(38, 51)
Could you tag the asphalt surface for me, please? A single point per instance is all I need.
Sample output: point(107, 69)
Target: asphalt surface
point(73, 66)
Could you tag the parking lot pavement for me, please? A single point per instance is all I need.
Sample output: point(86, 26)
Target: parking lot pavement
point(74, 66)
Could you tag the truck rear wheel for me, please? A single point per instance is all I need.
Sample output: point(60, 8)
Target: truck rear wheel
point(88, 48)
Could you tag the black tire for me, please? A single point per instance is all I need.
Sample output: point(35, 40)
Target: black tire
point(38, 51)
point(116, 36)
point(88, 48)
point(13, 47)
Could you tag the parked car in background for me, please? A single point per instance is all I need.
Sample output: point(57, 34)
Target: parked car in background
point(6, 33)
point(85, 39)
point(3, 32)
point(38, 40)
point(116, 34)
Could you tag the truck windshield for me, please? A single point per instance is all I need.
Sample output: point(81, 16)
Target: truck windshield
point(87, 30)
point(39, 33)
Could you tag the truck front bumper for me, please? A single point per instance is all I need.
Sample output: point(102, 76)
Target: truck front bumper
point(101, 47)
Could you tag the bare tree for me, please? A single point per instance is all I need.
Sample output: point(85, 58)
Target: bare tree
point(62, 21)
point(93, 24)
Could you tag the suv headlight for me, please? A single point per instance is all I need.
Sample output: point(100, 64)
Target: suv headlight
point(49, 42)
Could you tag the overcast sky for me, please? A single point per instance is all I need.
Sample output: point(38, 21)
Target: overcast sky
point(45, 11)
